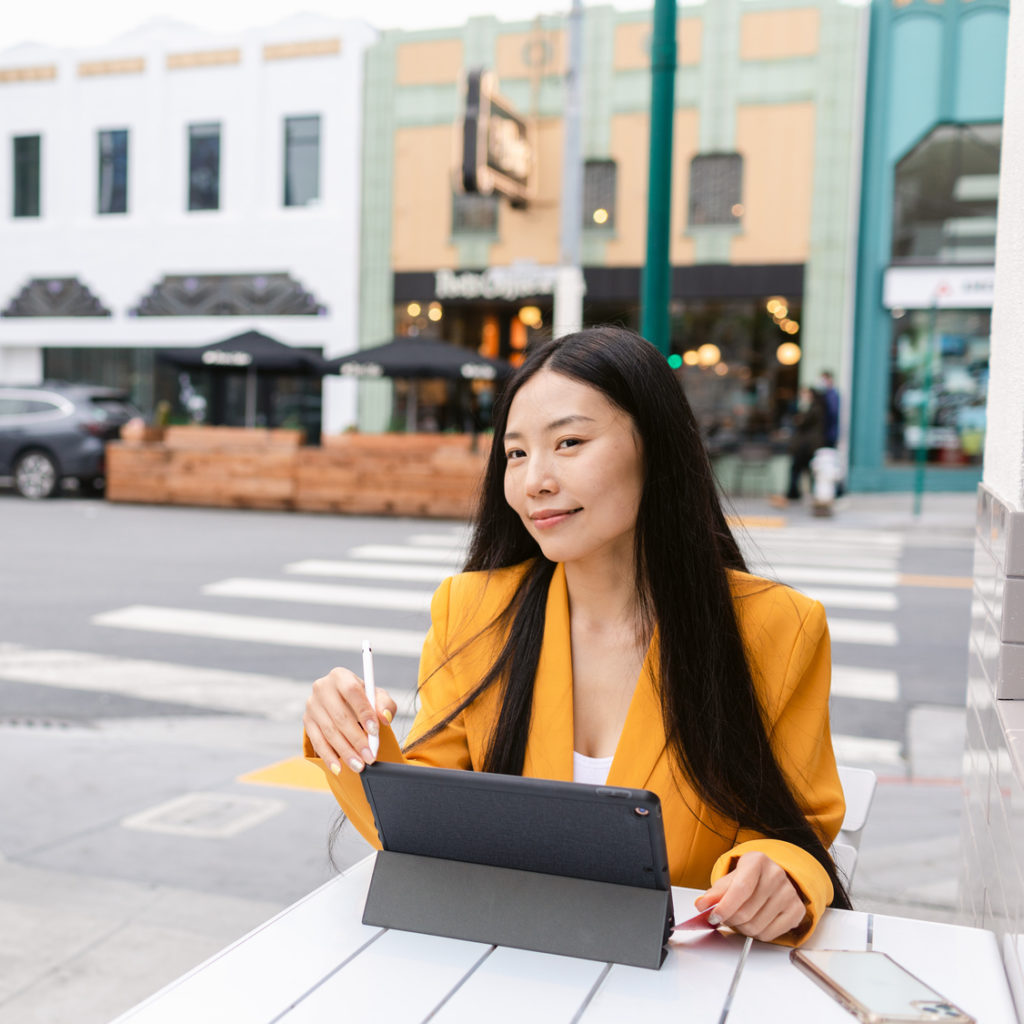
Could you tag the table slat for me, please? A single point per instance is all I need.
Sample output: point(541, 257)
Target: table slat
point(401, 976)
point(516, 985)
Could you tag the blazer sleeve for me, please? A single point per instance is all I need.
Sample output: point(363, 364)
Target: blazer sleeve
point(802, 742)
point(438, 694)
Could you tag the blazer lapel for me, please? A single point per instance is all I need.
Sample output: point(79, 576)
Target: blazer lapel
point(549, 746)
point(642, 742)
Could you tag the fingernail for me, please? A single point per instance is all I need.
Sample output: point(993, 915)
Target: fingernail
point(335, 768)
point(355, 764)
point(372, 728)
point(714, 920)
point(387, 716)
point(367, 754)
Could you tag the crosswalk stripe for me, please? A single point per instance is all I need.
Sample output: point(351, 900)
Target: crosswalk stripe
point(439, 540)
point(865, 600)
point(766, 555)
point(863, 631)
point(370, 570)
point(256, 629)
point(847, 577)
point(866, 750)
point(865, 683)
point(404, 553)
point(322, 593)
point(836, 537)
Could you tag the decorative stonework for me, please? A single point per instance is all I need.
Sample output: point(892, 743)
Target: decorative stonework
point(229, 295)
point(55, 296)
point(124, 66)
point(41, 73)
point(203, 59)
point(311, 48)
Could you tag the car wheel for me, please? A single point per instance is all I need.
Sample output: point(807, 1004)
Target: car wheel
point(35, 475)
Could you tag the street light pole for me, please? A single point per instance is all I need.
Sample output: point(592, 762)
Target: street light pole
point(569, 285)
point(655, 324)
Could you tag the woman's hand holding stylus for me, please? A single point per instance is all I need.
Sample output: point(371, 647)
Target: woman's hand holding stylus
point(340, 720)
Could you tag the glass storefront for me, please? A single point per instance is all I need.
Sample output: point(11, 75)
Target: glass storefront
point(938, 386)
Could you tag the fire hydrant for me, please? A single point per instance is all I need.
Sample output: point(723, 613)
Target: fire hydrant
point(825, 471)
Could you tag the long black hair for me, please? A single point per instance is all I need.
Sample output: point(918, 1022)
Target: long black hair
point(683, 546)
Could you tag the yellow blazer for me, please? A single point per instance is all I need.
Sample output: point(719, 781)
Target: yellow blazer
point(788, 643)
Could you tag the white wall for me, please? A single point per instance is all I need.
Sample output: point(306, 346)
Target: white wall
point(1004, 439)
point(121, 257)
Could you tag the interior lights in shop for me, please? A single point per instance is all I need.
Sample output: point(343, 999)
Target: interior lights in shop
point(600, 216)
point(721, 369)
point(708, 354)
point(774, 304)
point(434, 312)
point(690, 357)
point(790, 326)
point(788, 353)
point(531, 316)
point(675, 361)
point(737, 209)
point(414, 309)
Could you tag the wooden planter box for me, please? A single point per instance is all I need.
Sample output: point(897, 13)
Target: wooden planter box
point(434, 475)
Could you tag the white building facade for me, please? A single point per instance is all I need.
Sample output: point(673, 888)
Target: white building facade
point(175, 188)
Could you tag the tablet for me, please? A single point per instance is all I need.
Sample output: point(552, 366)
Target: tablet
point(599, 833)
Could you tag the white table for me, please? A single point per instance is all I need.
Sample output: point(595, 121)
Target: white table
point(316, 962)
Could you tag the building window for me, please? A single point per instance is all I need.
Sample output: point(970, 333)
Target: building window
point(474, 214)
point(716, 189)
point(944, 197)
point(599, 194)
point(204, 167)
point(301, 160)
point(26, 175)
point(113, 172)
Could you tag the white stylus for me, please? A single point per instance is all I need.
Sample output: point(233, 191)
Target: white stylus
point(371, 690)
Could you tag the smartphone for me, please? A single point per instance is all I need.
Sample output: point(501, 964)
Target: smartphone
point(876, 989)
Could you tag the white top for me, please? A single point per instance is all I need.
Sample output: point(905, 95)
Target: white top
point(591, 770)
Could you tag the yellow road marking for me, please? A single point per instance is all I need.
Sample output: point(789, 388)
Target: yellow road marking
point(946, 582)
point(761, 522)
point(295, 773)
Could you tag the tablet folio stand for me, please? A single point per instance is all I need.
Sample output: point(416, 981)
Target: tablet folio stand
point(533, 863)
point(505, 906)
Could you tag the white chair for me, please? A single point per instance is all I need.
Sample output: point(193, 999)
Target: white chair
point(859, 790)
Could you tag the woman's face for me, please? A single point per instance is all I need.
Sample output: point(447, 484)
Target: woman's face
point(574, 469)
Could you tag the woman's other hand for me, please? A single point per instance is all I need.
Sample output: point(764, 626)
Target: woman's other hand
point(339, 719)
point(756, 898)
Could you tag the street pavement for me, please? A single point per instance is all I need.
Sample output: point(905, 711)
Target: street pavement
point(153, 811)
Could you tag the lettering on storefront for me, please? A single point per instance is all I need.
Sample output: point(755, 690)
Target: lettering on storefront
point(217, 358)
point(508, 283)
point(944, 287)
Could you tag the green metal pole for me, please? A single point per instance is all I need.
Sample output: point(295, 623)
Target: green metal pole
point(657, 278)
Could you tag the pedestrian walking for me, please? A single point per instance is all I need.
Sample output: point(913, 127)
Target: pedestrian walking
point(605, 630)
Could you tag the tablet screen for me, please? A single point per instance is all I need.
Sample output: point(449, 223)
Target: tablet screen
point(602, 833)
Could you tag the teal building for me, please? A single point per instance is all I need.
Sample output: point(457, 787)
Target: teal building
point(932, 134)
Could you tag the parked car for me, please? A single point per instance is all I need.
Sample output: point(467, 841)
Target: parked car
point(55, 432)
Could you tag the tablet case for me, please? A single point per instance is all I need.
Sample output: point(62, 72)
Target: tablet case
point(552, 866)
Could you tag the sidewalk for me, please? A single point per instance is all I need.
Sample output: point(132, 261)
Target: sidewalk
point(80, 948)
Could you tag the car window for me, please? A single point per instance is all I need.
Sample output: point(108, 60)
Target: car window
point(115, 409)
point(40, 407)
point(11, 406)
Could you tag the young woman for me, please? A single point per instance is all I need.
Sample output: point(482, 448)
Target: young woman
point(605, 629)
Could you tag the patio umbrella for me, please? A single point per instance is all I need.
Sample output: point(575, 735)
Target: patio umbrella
point(251, 351)
point(411, 356)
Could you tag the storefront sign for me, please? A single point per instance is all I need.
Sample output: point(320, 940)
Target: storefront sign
point(945, 287)
point(221, 358)
point(497, 154)
point(508, 283)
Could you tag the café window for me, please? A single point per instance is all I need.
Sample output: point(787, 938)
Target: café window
point(26, 175)
point(204, 167)
point(944, 197)
point(474, 214)
point(939, 383)
point(716, 189)
point(599, 194)
point(113, 172)
point(301, 160)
